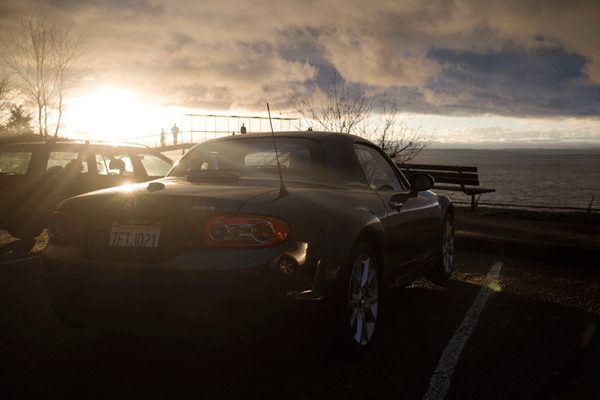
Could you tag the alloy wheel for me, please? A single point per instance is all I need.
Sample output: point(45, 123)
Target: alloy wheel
point(363, 299)
point(448, 246)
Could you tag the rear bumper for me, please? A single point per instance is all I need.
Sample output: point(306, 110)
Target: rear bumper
point(192, 291)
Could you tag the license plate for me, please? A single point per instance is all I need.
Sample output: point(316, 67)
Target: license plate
point(134, 235)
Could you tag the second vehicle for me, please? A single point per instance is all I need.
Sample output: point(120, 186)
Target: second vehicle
point(36, 176)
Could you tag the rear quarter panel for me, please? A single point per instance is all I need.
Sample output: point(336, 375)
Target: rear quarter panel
point(329, 218)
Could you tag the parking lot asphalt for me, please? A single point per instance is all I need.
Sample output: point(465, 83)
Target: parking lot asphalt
point(562, 241)
point(570, 240)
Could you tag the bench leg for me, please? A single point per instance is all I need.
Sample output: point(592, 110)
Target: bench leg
point(473, 203)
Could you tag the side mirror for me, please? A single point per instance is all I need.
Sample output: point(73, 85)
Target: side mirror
point(421, 182)
point(418, 183)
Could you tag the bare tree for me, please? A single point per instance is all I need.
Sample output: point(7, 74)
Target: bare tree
point(344, 110)
point(43, 56)
point(340, 110)
point(400, 142)
point(4, 94)
point(68, 48)
point(5, 102)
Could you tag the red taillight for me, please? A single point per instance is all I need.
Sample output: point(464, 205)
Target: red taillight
point(60, 227)
point(245, 231)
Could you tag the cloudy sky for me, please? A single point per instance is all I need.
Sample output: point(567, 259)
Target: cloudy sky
point(482, 73)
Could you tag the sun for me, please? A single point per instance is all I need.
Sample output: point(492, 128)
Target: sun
point(115, 114)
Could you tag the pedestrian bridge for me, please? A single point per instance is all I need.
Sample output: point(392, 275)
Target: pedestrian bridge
point(197, 128)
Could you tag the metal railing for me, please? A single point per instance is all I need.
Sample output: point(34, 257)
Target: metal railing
point(210, 126)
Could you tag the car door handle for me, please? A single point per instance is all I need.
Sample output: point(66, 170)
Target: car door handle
point(395, 205)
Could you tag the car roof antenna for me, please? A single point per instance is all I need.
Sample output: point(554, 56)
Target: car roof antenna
point(282, 189)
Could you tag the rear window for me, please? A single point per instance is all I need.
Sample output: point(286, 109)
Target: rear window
point(14, 162)
point(300, 159)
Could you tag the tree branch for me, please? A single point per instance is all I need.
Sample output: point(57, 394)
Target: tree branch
point(344, 109)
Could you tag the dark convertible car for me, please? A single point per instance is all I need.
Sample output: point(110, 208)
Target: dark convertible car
point(246, 225)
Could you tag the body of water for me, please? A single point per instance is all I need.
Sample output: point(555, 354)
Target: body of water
point(554, 178)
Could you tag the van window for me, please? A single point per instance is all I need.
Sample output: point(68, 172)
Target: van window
point(62, 160)
point(14, 162)
point(154, 166)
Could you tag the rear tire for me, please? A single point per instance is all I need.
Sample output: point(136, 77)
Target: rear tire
point(444, 265)
point(357, 302)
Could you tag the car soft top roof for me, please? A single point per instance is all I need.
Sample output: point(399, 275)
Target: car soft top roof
point(320, 136)
point(336, 147)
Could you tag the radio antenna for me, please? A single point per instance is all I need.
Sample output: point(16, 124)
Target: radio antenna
point(282, 189)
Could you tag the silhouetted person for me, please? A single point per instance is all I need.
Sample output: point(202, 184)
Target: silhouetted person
point(243, 130)
point(175, 131)
point(163, 139)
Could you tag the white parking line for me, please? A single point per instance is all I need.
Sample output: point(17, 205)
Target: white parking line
point(440, 381)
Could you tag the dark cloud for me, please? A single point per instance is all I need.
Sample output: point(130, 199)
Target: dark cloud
point(302, 45)
point(563, 66)
point(546, 67)
point(543, 81)
point(327, 75)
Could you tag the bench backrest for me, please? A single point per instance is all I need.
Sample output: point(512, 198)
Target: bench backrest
point(458, 175)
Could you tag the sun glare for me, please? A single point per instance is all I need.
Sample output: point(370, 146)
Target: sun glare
point(115, 114)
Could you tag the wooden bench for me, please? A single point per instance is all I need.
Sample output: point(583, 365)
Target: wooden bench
point(455, 178)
